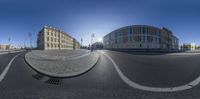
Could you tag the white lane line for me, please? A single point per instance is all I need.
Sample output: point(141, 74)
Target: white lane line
point(153, 89)
point(3, 74)
point(176, 54)
point(3, 53)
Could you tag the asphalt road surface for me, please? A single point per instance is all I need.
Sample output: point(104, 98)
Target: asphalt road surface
point(5, 59)
point(104, 81)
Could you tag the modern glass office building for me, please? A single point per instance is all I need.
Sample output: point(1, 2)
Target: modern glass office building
point(140, 37)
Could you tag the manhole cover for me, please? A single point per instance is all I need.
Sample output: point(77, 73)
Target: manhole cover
point(54, 81)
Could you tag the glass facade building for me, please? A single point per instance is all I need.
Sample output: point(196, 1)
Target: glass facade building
point(140, 37)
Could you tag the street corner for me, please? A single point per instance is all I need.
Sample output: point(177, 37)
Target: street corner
point(62, 64)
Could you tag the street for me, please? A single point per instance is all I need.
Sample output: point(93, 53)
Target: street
point(104, 81)
point(5, 59)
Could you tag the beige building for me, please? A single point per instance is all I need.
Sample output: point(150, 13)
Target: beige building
point(4, 47)
point(76, 44)
point(50, 38)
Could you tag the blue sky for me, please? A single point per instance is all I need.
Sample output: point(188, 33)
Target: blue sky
point(81, 18)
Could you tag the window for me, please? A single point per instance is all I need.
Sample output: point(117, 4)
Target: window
point(143, 38)
point(130, 38)
point(130, 31)
point(156, 40)
point(52, 39)
point(143, 30)
point(47, 38)
point(139, 38)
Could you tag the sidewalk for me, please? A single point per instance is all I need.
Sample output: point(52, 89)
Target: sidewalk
point(62, 63)
point(9, 51)
point(193, 51)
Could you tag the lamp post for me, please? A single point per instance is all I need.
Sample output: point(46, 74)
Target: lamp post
point(9, 45)
point(81, 42)
point(30, 35)
point(92, 36)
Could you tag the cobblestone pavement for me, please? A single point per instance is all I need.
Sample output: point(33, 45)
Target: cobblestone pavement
point(64, 63)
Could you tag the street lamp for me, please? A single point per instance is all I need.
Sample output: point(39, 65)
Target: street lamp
point(30, 35)
point(81, 42)
point(9, 44)
point(92, 36)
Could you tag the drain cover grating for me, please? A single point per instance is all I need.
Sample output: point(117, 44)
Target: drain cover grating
point(38, 76)
point(54, 81)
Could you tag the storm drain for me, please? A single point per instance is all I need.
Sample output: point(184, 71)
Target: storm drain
point(38, 76)
point(54, 81)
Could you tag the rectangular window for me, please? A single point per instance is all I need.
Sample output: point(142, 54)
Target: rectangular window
point(155, 40)
point(144, 39)
point(148, 38)
point(143, 30)
point(130, 39)
point(130, 31)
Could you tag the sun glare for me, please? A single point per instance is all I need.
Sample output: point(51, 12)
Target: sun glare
point(99, 40)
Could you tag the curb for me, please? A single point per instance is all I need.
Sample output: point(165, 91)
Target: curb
point(3, 53)
point(53, 75)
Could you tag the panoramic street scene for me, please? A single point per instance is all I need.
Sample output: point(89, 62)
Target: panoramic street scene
point(99, 49)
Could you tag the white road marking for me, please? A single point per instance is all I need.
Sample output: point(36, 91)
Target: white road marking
point(3, 74)
point(1, 53)
point(183, 54)
point(153, 89)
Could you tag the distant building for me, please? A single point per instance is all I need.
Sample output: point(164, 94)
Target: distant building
point(97, 45)
point(4, 47)
point(189, 46)
point(197, 47)
point(50, 38)
point(141, 37)
point(76, 44)
point(175, 42)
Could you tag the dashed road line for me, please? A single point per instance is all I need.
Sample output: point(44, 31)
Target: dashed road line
point(148, 88)
point(3, 74)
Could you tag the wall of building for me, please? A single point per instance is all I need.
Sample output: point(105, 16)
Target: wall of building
point(50, 38)
point(140, 37)
point(76, 44)
point(189, 46)
point(4, 47)
point(175, 43)
point(97, 45)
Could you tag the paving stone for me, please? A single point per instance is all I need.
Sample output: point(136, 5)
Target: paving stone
point(62, 63)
